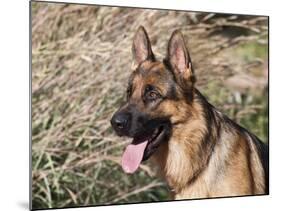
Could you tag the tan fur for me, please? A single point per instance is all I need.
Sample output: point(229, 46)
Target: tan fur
point(177, 161)
point(191, 168)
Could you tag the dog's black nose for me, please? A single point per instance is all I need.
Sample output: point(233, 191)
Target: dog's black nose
point(120, 122)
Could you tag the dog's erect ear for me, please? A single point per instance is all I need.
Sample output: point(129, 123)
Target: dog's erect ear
point(179, 59)
point(141, 48)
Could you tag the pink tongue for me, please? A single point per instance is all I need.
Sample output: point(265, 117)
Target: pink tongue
point(132, 156)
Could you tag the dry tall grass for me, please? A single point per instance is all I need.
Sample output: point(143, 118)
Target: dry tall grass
point(80, 63)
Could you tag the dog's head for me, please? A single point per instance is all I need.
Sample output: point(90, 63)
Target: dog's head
point(158, 97)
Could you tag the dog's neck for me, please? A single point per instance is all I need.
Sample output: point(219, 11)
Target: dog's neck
point(183, 158)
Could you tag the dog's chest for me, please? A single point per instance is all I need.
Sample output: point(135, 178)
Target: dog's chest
point(196, 190)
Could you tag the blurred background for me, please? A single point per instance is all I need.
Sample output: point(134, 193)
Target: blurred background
point(81, 60)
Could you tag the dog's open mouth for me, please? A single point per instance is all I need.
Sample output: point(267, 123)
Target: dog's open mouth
point(141, 148)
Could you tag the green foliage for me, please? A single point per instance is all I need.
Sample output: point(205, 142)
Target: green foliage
point(251, 50)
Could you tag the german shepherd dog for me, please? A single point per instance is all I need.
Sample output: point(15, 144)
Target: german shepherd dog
point(200, 152)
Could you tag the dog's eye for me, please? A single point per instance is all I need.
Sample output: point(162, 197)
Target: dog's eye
point(152, 95)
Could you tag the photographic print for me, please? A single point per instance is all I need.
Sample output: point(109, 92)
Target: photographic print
point(134, 105)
